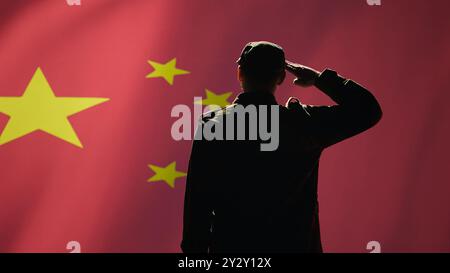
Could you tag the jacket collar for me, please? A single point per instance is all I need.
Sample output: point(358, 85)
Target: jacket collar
point(256, 98)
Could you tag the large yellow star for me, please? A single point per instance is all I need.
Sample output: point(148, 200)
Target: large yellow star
point(214, 101)
point(39, 109)
point(168, 71)
point(167, 174)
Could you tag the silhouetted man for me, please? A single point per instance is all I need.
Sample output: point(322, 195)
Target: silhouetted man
point(242, 199)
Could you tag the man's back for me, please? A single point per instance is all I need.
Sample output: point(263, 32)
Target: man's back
point(242, 199)
point(259, 197)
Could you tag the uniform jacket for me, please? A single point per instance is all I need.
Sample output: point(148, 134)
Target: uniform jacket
point(240, 199)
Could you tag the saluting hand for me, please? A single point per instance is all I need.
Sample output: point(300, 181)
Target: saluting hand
point(306, 76)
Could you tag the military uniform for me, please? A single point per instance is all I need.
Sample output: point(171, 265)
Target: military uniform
point(241, 199)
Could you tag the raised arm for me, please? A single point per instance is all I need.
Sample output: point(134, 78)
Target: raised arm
point(356, 111)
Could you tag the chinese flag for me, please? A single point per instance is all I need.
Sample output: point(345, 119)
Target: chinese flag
point(87, 159)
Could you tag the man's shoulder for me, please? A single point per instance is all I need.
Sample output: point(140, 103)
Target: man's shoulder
point(293, 107)
point(216, 114)
point(296, 109)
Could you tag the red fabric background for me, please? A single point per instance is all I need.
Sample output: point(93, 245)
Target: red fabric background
point(390, 184)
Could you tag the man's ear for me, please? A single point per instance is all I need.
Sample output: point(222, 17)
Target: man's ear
point(240, 76)
point(281, 77)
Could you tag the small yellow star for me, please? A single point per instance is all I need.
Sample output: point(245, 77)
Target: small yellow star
point(168, 71)
point(39, 109)
point(167, 174)
point(215, 101)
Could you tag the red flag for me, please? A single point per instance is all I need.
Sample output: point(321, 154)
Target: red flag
point(87, 158)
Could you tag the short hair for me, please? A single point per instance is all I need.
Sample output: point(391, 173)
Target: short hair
point(262, 62)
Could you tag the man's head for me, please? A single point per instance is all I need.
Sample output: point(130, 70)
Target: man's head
point(261, 66)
